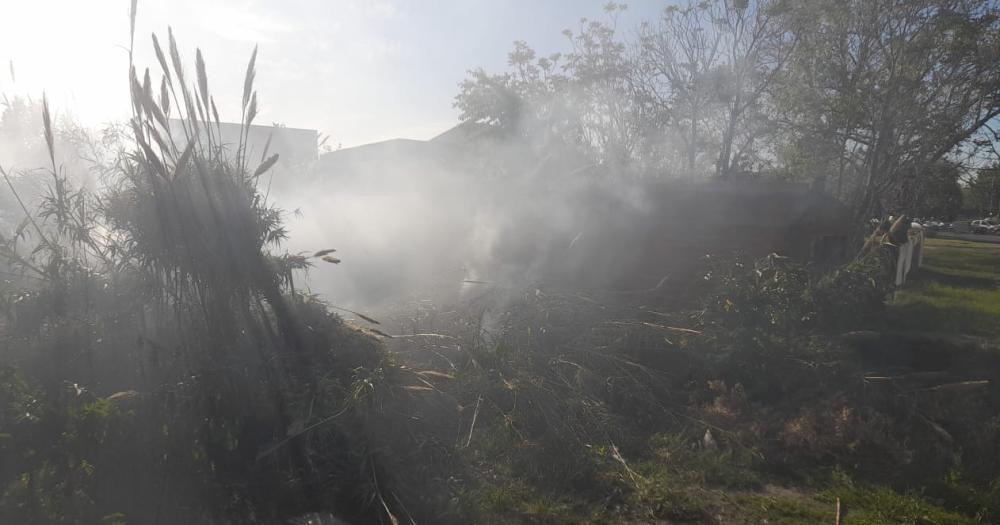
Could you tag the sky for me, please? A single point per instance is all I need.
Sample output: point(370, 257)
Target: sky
point(359, 71)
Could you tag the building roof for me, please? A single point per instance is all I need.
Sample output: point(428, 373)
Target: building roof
point(294, 146)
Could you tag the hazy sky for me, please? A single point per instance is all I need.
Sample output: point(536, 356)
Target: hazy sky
point(357, 70)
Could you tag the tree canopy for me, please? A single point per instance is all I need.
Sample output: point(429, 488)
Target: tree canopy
point(861, 98)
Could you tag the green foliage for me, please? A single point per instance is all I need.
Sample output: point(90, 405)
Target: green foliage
point(154, 315)
point(52, 452)
point(150, 316)
point(850, 56)
point(778, 295)
point(579, 102)
point(769, 295)
point(514, 502)
point(974, 499)
point(935, 192)
point(819, 91)
point(784, 509)
point(983, 191)
point(854, 294)
point(116, 518)
point(869, 505)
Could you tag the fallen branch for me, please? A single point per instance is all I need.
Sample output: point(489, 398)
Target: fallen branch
point(438, 336)
point(475, 415)
point(962, 385)
point(656, 326)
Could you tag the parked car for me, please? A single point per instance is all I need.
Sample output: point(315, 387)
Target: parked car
point(985, 227)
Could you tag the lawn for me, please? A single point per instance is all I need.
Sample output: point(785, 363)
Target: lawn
point(956, 291)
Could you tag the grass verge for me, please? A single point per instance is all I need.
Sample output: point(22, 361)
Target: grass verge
point(956, 291)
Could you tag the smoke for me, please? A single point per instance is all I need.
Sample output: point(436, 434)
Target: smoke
point(395, 238)
point(474, 211)
point(82, 154)
point(442, 221)
point(405, 223)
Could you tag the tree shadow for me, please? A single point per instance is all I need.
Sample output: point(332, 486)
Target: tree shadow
point(927, 275)
point(923, 316)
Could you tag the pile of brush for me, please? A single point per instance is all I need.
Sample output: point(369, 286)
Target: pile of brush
point(533, 385)
point(566, 393)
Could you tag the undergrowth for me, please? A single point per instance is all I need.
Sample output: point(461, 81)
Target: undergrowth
point(747, 406)
point(159, 365)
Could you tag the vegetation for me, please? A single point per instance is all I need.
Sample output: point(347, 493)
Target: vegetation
point(158, 364)
point(956, 291)
point(161, 365)
point(820, 91)
point(982, 194)
point(746, 405)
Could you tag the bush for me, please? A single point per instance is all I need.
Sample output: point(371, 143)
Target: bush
point(777, 295)
point(771, 294)
point(855, 293)
point(163, 366)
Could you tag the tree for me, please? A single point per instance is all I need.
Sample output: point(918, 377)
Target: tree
point(612, 119)
point(889, 86)
point(984, 190)
point(934, 192)
point(685, 97)
point(522, 102)
point(709, 66)
point(861, 97)
point(680, 70)
point(582, 100)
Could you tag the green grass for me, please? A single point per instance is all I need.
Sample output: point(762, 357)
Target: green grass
point(875, 505)
point(956, 291)
point(680, 483)
point(784, 509)
point(674, 487)
point(860, 505)
point(513, 501)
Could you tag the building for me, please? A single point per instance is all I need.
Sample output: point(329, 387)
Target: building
point(296, 148)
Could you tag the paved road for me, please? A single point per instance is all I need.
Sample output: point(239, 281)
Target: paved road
point(974, 237)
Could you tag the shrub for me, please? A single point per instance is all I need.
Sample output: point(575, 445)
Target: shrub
point(777, 295)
